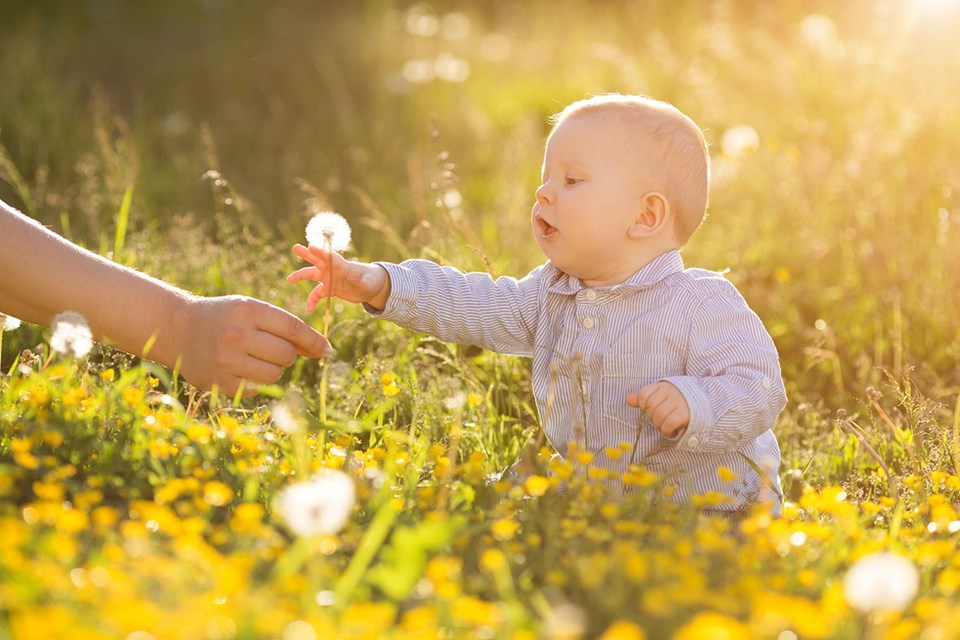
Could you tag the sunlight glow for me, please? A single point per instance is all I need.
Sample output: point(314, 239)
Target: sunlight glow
point(937, 5)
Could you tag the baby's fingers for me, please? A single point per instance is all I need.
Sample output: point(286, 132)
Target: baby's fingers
point(316, 296)
point(312, 254)
point(305, 273)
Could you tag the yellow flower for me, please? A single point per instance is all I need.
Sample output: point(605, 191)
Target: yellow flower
point(108, 375)
point(493, 560)
point(217, 494)
point(623, 630)
point(726, 474)
point(474, 400)
point(504, 529)
point(613, 453)
point(133, 396)
point(421, 620)
point(583, 457)
point(48, 491)
point(709, 625)
point(391, 390)
point(367, 620)
point(388, 379)
point(476, 612)
point(199, 432)
point(105, 517)
point(72, 521)
point(536, 486)
point(247, 517)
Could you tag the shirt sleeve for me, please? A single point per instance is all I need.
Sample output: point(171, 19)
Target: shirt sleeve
point(733, 384)
point(467, 308)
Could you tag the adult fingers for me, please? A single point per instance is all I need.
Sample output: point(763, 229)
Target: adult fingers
point(305, 339)
point(257, 371)
point(270, 348)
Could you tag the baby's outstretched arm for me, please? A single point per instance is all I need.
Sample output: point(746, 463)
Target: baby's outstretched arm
point(346, 279)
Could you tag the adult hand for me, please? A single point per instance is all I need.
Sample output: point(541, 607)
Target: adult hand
point(232, 340)
point(665, 405)
point(347, 279)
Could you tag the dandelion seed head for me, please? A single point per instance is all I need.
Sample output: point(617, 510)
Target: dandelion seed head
point(9, 323)
point(739, 140)
point(285, 414)
point(71, 334)
point(329, 230)
point(881, 581)
point(319, 506)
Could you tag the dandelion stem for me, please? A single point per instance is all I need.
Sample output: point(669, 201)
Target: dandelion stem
point(328, 243)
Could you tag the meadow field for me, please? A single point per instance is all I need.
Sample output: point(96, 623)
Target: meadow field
point(194, 139)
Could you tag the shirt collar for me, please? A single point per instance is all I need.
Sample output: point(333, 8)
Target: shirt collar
point(664, 265)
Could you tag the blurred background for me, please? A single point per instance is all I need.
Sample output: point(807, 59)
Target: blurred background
point(834, 131)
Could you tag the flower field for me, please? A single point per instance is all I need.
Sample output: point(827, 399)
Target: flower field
point(365, 496)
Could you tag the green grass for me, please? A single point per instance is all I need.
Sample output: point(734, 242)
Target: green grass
point(192, 143)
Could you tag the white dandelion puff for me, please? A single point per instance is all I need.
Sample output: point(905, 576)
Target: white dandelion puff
point(283, 417)
point(321, 505)
point(9, 323)
point(71, 334)
point(329, 230)
point(881, 581)
point(739, 140)
point(286, 413)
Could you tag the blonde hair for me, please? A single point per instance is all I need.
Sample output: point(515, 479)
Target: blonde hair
point(670, 146)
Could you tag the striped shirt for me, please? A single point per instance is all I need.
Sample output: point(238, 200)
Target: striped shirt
point(593, 346)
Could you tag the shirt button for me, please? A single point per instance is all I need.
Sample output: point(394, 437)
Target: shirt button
point(587, 322)
point(766, 383)
point(692, 442)
point(591, 295)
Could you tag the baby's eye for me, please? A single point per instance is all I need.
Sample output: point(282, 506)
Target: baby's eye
point(570, 181)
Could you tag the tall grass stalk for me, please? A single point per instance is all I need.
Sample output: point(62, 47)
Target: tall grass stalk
point(123, 218)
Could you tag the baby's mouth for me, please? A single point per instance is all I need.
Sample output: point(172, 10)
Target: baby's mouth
point(546, 229)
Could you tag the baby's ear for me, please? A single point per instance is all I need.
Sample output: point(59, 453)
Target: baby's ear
point(654, 218)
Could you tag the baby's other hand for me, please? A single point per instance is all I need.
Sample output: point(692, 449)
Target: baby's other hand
point(346, 279)
point(665, 405)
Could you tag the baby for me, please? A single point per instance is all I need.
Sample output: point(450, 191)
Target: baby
point(628, 346)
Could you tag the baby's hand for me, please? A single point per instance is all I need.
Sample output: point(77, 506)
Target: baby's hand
point(664, 405)
point(346, 279)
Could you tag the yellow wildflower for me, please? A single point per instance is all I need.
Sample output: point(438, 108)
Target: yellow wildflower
point(217, 494)
point(504, 529)
point(726, 474)
point(709, 625)
point(536, 486)
point(623, 630)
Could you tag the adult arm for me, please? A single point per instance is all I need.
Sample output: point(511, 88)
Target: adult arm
point(216, 342)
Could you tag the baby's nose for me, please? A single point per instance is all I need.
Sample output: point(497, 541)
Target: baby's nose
point(544, 196)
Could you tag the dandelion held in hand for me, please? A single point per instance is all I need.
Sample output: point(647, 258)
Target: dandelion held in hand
point(71, 334)
point(321, 505)
point(332, 232)
point(329, 230)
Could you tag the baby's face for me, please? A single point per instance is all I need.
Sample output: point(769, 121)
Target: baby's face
point(590, 195)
